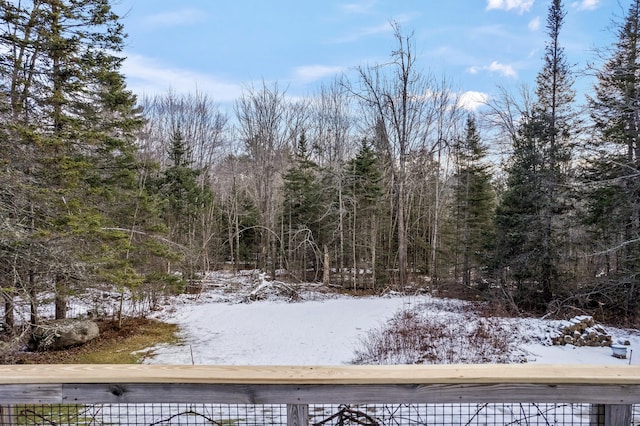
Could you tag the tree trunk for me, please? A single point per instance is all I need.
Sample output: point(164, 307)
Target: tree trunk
point(237, 237)
point(9, 307)
point(341, 232)
point(354, 254)
point(232, 240)
point(273, 250)
point(326, 270)
point(436, 218)
point(466, 268)
point(60, 299)
point(33, 300)
point(402, 236)
point(374, 234)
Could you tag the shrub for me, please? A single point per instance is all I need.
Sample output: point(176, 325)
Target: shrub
point(413, 336)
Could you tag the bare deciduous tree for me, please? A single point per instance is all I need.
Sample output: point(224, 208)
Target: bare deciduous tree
point(203, 128)
point(330, 133)
point(268, 125)
point(405, 105)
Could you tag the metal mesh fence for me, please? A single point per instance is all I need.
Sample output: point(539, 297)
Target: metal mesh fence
point(144, 414)
point(364, 415)
point(455, 414)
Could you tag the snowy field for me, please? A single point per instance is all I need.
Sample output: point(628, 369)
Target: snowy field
point(223, 326)
point(245, 320)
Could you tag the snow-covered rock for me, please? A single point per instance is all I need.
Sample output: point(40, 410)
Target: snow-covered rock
point(62, 334)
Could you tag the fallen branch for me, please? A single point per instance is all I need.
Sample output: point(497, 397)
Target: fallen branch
point(188, 412)
point(351, 416)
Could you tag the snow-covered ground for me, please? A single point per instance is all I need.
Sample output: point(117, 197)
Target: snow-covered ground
point(245, 320)
point(224, 326)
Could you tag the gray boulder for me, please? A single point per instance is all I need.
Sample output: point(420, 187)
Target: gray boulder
point(61, 334)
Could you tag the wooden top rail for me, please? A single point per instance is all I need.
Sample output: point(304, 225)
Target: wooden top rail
point(319, 375)
point(99, 383)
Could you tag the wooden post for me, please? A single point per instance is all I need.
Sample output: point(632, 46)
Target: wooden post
point(6, 415)
point(617, 414)
point(611, 415)
point(297, 415)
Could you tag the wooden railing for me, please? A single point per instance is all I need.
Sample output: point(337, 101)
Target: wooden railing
point(611, 390)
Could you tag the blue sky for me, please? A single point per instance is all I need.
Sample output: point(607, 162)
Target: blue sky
point(218, 46)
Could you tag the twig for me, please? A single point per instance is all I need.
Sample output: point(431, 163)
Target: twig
point(190, 412)
point(351, 415)
point(541, 413)
point(93, 414)
point(525, 417)
point(480, 408)
point(40, 416)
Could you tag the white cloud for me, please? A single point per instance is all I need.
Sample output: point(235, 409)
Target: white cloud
point(358, 7)
point(502, 69)
point(520, 5)
point(495, 67)
point(534, 24)
point(472, 100)
point(586, 4)
point(175, 18)
point(309, 73)
point(147, 76)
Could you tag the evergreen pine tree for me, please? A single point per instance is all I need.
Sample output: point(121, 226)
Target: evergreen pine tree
point(301, 189)
point(302, 209)
point(72, 121)
point(613, 196)
point(531, 217)
point(474, 200)
point(364, 187)
point(184, 199)
point(518, 220)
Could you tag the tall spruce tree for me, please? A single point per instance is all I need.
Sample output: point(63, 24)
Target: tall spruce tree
point(302, 210)
point(364, 188)
point(534, 206)
point(184, 200)
point(518, 219)
point(474, 200)
point(613, 196)
point(70, 122)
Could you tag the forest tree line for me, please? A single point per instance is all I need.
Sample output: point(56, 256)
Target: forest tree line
point(382, 179)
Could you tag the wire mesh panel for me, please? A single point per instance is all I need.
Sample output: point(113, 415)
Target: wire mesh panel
point(44, 415)
point(145, 414)
point(319, 414)
point(454, 414)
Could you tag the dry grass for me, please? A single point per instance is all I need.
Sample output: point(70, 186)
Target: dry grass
point(113, 346)
point(413, 336)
